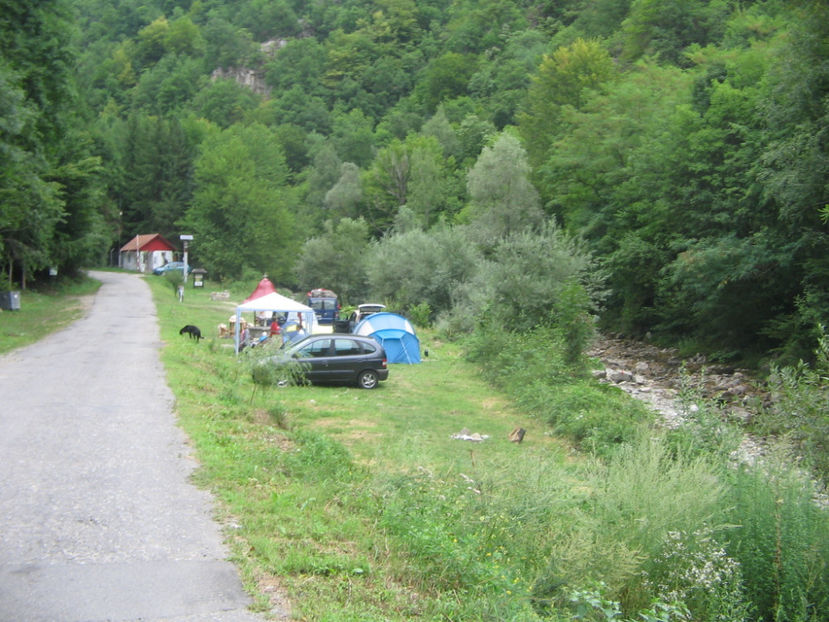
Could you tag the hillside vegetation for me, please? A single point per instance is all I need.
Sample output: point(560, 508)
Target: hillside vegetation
point(408, 151)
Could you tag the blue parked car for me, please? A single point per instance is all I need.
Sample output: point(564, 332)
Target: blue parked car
point(169, 267)
point(325, 305)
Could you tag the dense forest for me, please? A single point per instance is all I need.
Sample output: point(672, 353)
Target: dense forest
point(663, 163)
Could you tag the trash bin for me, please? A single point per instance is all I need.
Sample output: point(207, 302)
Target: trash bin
point(198, 277)
point(10, 301)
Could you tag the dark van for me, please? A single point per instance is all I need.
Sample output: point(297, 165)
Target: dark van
point(325, 305)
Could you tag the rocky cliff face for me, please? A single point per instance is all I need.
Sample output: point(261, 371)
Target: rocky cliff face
point(249, 78)
point(252, 79)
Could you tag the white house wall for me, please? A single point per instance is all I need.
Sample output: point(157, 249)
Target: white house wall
point(147, 261)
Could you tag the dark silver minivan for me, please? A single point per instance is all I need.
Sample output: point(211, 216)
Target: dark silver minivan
point(338, 358)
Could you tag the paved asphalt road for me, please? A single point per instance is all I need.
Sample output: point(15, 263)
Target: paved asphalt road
point(98, 520)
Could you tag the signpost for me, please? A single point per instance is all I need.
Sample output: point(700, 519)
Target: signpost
point(186, 239)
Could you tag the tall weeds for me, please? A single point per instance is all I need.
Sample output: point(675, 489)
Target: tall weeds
point(781, 541)
point(635, 500)
point(799, 408)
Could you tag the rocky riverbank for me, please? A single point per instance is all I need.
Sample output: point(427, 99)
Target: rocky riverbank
point(670, 383)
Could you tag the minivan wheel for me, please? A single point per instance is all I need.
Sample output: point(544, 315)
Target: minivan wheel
point(367, 379)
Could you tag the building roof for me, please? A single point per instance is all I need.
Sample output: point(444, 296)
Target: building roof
point(148, 242)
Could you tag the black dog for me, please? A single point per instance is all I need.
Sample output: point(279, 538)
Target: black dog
point(191, 330)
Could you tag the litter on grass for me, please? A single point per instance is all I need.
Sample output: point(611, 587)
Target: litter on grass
point(465, 435)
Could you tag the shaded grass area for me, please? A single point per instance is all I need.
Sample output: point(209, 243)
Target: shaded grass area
point(44, 310)
point(358, 505)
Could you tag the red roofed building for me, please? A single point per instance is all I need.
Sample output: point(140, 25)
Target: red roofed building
point(146, 252)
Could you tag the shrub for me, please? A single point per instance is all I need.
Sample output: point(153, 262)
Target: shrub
point(265, 373)
point(416, 267)
point(532, 275)
point(694, 569)
point(591, 604)
point(513, 359)
point(455, 323)
point(487, 344)
point(173, 277)
point(598, 417)
point(421, 314)
point(573, 323)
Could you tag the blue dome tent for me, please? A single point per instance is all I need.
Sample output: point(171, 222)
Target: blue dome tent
point(395, 333)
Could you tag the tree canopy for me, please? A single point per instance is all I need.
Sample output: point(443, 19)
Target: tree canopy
point(683, 142)
point(50, 212)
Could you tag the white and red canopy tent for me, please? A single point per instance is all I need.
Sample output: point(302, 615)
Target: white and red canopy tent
point(263, 288)
point(279, 304)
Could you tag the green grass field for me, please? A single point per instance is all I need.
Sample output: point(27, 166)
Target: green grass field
point(305, 472)
point(358, 505)
point(341, 504)
point(43, 311)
